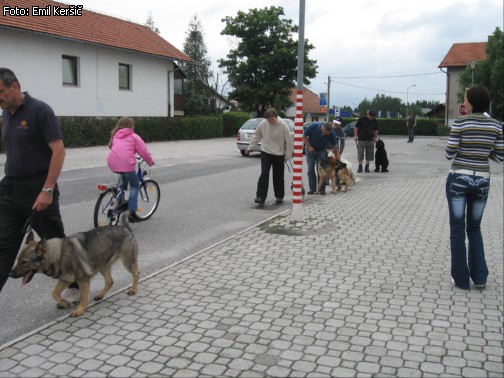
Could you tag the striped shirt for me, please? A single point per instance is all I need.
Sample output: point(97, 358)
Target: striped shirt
point(473, 140)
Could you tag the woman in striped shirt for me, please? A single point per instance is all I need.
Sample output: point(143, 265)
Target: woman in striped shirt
point(474, 139)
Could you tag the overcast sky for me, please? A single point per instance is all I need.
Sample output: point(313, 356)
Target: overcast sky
point(352, 39)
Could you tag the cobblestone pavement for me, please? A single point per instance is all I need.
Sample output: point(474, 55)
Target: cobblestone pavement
point(361, 288)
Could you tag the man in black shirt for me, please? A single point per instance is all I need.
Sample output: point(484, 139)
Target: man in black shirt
point(366, 135)
point(35, 153)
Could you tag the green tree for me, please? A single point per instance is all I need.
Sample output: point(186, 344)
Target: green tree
point(198, 93)
point(150, 23)
point(264, 63)
point(490, 73)
point(427, 104)
point(383, 104)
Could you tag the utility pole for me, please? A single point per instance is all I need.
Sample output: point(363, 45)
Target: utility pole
point(328, 97)
point(297, 171)
point(473, 67)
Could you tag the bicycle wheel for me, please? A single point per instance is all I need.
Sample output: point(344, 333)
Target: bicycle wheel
point(148, 199)
point(104, 214)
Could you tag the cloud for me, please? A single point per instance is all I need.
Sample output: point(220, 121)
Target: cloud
point(351, 38)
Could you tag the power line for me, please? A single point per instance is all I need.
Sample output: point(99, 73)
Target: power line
point(386, 76)
point(386, 91)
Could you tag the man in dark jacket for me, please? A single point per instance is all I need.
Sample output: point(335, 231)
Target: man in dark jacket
point(366, 135)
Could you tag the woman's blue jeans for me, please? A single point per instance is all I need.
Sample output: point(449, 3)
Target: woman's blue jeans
point(132, 179)
point(467, 196)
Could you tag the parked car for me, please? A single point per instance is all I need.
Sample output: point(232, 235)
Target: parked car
point(247, 130)
point(349, 129)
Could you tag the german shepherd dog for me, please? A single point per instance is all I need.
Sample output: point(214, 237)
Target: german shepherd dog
point(79, 257)
point(343, 177)
point(335, 170)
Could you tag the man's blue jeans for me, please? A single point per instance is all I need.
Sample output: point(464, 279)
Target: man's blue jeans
point(311, 161)
point(467, 196)
point(132, 179)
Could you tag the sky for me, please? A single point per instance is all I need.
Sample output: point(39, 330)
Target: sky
point(366, 47)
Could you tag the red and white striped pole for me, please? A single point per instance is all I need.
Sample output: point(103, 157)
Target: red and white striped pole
point(297, 179)
point(297, 174)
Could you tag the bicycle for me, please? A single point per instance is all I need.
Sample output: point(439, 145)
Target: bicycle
point(112, 200)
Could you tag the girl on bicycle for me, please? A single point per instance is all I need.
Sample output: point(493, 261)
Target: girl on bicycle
point(124, 144)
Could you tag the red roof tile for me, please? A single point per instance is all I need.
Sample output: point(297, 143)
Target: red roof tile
point(461, 54)
point(90, 27)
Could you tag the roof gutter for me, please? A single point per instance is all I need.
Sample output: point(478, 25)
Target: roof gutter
point(447, 94)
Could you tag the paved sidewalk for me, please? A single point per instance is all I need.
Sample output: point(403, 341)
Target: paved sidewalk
point(360, 288)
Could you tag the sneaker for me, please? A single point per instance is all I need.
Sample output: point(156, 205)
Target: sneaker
point(279, 200)
point(454, 284)
point(479, 286)
point(259, 200)
point(72, 295)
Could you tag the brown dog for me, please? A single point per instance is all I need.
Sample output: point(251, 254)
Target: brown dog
point(77, 258)
point(343, 176)
point(327, 171)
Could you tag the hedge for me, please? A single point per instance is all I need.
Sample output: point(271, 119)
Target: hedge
point(232, 121)
point(95, 131)
point(391, 126)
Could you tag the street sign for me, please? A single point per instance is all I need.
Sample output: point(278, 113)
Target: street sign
point(462, 110)
point(323, 109)
point(323, 99)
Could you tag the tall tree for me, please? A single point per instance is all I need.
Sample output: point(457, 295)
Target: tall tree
point(263, 66)
point(150, 23)
point(198, 91)
point(490, 73)
point(384, 104)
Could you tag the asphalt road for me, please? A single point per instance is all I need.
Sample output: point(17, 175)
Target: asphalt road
point(207, 193)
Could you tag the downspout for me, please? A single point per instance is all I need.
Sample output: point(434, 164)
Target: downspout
point(447, 95)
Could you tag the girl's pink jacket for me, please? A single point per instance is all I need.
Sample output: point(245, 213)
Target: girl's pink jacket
point(125, 145)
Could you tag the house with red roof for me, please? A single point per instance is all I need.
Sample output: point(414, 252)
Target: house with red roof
point(311, 106)
point(456, 60)
point(84, 63)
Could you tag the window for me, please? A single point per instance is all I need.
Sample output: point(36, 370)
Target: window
point(69, 71)
point(124, 76)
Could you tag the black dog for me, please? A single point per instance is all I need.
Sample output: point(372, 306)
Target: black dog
point(381, 157)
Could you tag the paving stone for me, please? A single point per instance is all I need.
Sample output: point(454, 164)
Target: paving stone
point(368, 309)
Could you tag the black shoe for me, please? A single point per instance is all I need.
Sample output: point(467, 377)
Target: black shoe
point(131, 219)
point(259, 200)
point(322, 192)
point(360, 169)
point(279, 200)
point(367, 169)
point(311, 192)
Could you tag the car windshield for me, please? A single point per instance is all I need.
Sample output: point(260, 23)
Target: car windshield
point(252, 124)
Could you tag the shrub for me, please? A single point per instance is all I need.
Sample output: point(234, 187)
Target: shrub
point(232, 121)
point(392, 126)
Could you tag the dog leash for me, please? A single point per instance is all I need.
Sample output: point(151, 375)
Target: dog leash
point(28, 224)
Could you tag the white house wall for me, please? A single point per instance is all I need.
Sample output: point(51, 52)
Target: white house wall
point(453, 88)
point(37, 62)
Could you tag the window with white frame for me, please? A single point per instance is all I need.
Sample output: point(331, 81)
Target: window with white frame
point(70, 70)
point(124, 76)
